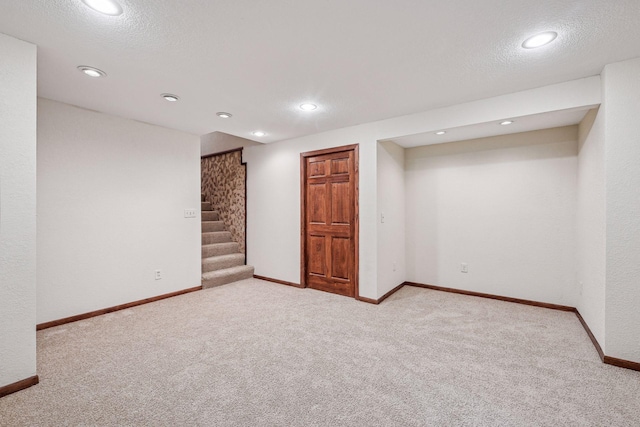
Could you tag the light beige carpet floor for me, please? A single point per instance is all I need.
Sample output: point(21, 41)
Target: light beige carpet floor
point(259, 354)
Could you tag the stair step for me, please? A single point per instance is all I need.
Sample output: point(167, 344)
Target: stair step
point(206, 206)
point(215, 237)
point(217, 249)
point(202, 197)
point(228, 275)
point(221, 262)
point(209, 226)
point(210, 216)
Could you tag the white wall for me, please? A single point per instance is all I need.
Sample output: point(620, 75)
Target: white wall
point(17, 210)
point(391, 204)
point(273, 173)
point(216, 142)
point(273, 204)
point(111, 200)
point(563, 96)
point(590, 223)
point(504, 205)
point(621, 97)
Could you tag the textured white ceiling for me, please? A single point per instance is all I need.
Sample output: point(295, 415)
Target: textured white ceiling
point(360, 60)
point(481, 130)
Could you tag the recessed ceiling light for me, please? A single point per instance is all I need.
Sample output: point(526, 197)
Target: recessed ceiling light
point(440, 133)
point(506, 122)
point(108, 7)
point(258, 133)
point(170, 97)
point(539, 40)
point(224, 115)
point(91, 71)
point(308, 107)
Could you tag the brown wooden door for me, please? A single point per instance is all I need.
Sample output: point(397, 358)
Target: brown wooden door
point(329, 220)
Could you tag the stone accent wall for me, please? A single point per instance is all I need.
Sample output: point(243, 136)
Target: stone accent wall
point(223, 184)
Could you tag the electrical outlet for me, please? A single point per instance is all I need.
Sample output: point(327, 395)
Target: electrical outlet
point(382, 218)
point(464, 268)
point(158, 274)
point(394, 266)
point(189, 213)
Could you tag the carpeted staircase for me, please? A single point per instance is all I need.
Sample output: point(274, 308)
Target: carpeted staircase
point(222, 262)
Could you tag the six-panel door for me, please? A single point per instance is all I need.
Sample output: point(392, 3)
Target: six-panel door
point(330, 222)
